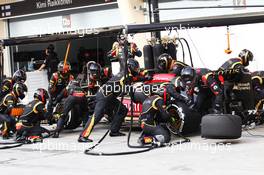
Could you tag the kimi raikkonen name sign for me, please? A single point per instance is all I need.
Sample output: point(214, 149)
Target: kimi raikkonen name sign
point(31, 7)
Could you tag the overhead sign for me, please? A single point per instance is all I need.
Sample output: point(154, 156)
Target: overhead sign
point(32, 7)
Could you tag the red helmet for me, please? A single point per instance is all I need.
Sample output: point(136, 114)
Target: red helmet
point(64, 68)
point(42, 95)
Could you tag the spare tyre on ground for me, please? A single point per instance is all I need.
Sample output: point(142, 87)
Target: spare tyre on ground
point(221, 126)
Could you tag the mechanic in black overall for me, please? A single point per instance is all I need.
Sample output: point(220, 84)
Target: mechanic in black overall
point(28, 126)
point(116, 52)
point(97, 76)
point(153, 120)
point(76, 96)
point(57, 86)
point(234, 70)
point(106, 98)
point(7, 84)
point(7, 104)
point(154, 115)
point(202, 82)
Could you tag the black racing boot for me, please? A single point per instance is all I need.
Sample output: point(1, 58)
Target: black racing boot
point(56, 134)
point(84, 139)
point(116, 134)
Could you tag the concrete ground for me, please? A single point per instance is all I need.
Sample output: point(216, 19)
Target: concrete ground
point(65, 156)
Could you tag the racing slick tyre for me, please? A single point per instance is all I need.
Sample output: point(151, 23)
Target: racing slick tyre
point(74, 119)
point(221, 126)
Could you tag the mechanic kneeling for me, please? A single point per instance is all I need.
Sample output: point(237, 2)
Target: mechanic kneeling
point(153, 121)
point(28, 127)
point(76, 96)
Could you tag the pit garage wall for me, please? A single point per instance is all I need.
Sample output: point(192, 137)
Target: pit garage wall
point(208, 44)
point(81, 22)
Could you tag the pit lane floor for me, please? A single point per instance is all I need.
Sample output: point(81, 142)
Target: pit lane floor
point(65, 156)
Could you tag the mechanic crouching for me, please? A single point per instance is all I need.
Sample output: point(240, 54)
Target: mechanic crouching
point(76, 96)
point(57, 86)
point(153, 121)
point(106, 99)
point(202, 82)
point(154, 116)
point(28, 127)
point(7, 104)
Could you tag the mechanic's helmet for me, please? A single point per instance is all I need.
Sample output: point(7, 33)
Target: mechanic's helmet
point(41, 94)
point(94, 70)
point(121, 39)
point(19, 76)
point(163, 62)
point(64, 68)
point(133, 66)
point(20, 90)
point(246, 56)
point(177, 68)
point(188, 75)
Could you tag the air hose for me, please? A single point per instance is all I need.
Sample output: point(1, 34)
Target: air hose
point(183, 51)
point(10, 145)
point(189, 50)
